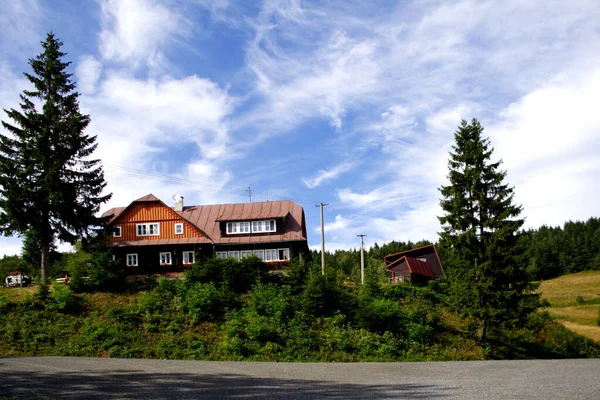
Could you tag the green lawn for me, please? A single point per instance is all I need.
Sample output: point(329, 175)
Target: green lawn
point(562, 294)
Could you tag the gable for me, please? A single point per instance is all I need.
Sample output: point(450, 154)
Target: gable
point(155, 212)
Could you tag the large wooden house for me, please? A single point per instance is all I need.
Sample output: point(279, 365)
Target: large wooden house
point(415, 265)
point(149, 235)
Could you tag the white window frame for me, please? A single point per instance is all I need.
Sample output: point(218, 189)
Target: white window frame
point(260, 254)
point(179, 229)
point(132, 260)
point(120, 228)
point(190, 257)
point(286, 254)
point(146, 228)
point(243, 227)
point(238, 228)
point(271, 255)
point(221, 254)
point(234, 254)
point(168, 259)
point(245, 253)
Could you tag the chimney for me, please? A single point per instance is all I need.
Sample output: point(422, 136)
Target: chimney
point(178, 203)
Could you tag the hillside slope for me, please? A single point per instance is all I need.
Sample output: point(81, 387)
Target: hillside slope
point(575, 300)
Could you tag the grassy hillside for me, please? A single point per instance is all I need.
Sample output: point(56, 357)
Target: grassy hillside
point(276, 318)
point(575, 300)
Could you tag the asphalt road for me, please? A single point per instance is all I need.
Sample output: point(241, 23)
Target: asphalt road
point(93, 378)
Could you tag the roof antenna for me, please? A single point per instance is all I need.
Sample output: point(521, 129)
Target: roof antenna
point(249, 190)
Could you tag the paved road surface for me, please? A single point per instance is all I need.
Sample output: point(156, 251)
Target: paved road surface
point(92, 378)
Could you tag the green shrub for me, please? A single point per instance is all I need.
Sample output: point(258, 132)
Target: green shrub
point(4, 302)
point(380, 315)
point(60, 298)
point(579, 300)
point(272, 301)
point(202, 302)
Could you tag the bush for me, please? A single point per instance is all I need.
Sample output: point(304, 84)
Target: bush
point(4, 302)
point(381, 315)
point(579, 300)
point(202, 302)
point(60, 298)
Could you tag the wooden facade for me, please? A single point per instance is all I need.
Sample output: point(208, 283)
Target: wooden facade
point(204, 233)
point(151, 212)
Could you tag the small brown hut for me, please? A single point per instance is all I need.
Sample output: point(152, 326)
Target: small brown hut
point(415, 265)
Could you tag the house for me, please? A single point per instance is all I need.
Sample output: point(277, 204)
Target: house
point(151, 236)
point(416, 265)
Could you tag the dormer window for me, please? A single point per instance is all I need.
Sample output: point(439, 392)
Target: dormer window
point(117, 231)
point(236, 228)
point(264, 226)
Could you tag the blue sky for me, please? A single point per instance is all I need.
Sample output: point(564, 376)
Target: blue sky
point(352, 103)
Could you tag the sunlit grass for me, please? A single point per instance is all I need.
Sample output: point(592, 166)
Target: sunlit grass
point(564, 290)
point(562, 294)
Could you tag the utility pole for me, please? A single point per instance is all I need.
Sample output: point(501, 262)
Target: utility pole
point(321, 205)
point(362, 260)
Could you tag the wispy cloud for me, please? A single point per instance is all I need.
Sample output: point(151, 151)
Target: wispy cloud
point(325, 175)
point(139, 31)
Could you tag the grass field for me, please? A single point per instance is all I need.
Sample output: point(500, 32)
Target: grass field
point(562, 294)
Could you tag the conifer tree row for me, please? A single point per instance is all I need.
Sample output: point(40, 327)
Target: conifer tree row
point(480, 231)
point(49, 185)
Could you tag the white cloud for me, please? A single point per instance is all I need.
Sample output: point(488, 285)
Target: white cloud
point(339, 223)
point(20, 22)
point(138, 31)
point(88, 72)
point(324, 175)
point(549, 143)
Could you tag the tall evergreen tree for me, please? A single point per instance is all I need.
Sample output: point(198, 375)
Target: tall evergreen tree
point(480, 231)
point(48, 182)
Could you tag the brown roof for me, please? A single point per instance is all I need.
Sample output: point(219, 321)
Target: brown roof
point(208, 217)
point(148, 197)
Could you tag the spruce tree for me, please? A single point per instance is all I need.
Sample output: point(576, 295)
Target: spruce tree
point(480, 231)
point(48, 182)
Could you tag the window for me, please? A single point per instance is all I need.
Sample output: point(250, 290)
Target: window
point(234, 254)
point(245, 253)
point(179, 229)
point(132, 260)
point(151, 229)
point(260, 254)
point(263, 226)
point(188, 257)
point(165, 258)
point(284, 254)
point(117, 231)
point(271, 255)
point(221, 254)
point(422, 259)
point(238, 227)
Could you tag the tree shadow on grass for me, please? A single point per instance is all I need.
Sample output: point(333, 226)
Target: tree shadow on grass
point(133, 384)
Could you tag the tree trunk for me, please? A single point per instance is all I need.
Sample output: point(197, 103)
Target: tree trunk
point(482, 331)
point(45, 256)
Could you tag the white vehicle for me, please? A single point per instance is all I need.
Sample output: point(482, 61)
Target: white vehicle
point(15, 278)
